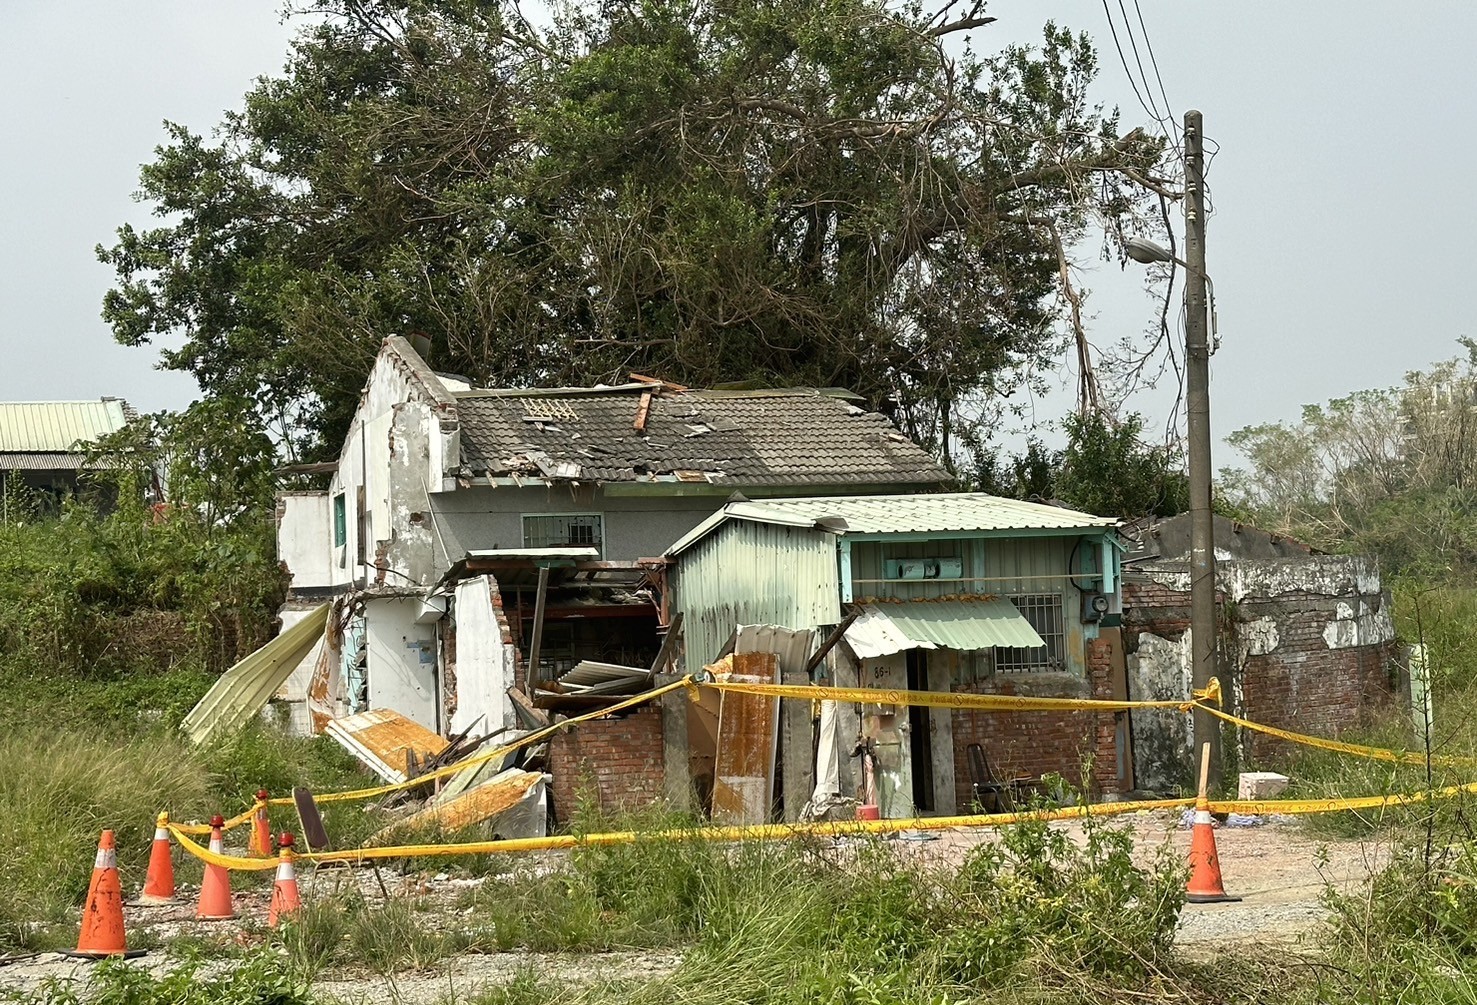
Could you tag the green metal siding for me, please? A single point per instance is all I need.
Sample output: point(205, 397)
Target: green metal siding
point(1001, 565)
point(753, 573)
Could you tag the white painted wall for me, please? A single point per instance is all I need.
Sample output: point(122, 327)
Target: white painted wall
point(294, 690)
point(305, 538)
point(402, 660)
point(485, 666)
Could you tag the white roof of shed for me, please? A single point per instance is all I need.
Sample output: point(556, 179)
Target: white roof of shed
point(901, 514)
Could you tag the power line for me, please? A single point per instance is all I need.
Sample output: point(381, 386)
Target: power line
point(1132, 82)
point(1154, 62)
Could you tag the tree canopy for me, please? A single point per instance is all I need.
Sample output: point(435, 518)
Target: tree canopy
point(833, 193)
point(1392, 472)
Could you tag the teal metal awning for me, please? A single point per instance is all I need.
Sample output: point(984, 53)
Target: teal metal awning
point(965, 625)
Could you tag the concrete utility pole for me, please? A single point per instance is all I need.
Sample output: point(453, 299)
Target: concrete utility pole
point(1197, 379)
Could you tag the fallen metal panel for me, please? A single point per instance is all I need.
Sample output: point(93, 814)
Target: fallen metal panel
point(748, 737)
point(246, 687)
point(965, 625)
point(380, 739)
point(486, 801)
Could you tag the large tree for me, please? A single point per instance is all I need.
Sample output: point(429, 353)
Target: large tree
point(830, 193)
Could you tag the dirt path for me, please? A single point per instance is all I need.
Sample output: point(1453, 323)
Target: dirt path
point(1278, 870)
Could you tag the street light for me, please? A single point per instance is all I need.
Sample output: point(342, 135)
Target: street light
point(1147, 252)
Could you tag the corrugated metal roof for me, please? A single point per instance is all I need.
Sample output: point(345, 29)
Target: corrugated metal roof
point(901, 514)
point(965, 625)
point(40, 461)
point(58, 426)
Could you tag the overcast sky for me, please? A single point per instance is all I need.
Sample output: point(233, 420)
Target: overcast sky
point(1343, 205)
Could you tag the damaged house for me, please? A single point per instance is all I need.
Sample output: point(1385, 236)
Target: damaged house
point(960, 592)
point(1307, 640)
point(475, 540)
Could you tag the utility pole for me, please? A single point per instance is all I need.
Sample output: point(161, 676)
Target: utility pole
point(1197, 379)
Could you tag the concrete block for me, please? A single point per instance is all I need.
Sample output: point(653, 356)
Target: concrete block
point(1261, 785)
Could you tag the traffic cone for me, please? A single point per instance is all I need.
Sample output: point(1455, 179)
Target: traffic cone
point(159, 882)
point(215, 889)
point(285, 900)
point(261, 830)
point(1205, 885)
point(101, 935)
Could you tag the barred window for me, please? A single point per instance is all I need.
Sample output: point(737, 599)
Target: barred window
point(562, 530)
point(1044, 612)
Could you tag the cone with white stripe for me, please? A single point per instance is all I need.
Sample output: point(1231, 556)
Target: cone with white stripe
point(101, 935)
point(215, 888)
point(285, 900)
point(159, 881)
point(1205, 886)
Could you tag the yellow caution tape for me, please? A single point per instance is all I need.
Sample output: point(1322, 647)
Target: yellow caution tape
point(942, 699)
point(235, 821)
point(1339, 746)
point(839, 828)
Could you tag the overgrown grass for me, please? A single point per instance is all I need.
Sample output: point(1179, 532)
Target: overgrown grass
point(62, 788)
point(797, 920)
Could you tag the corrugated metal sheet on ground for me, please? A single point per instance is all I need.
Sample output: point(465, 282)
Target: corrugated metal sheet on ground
point(381, 737)
point(246, 687)
point(28, 426)
point(965, 625)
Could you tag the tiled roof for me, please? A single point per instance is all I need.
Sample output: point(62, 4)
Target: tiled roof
point(739, 438)
point(58, 426)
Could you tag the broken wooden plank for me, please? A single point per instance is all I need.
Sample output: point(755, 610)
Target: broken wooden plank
point(643, 412)
point(528, 715)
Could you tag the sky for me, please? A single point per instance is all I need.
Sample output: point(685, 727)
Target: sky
point(1339, 244)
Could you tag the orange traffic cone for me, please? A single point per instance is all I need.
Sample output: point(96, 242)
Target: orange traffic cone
point(285, 900)
point(159, 883)
point(215, 889)
point(261, 830)
point(102, 919)
point(1205, 885)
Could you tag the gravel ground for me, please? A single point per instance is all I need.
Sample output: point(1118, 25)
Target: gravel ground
point(1277, 870)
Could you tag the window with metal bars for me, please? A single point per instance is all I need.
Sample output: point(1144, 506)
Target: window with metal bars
point(1044, 612)
point(562, 530)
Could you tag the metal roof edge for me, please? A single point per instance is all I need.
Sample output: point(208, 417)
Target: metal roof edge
point(755, 512)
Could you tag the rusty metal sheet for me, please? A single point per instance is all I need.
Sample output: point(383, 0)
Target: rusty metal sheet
point(748, 735)
point(381, 737)
point(484, 802)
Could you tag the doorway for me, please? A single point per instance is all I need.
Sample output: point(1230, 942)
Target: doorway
point(920, 735)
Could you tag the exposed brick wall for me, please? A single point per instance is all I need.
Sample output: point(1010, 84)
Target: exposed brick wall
point(1300, 684)
point(618, 760)
point(1032, 744)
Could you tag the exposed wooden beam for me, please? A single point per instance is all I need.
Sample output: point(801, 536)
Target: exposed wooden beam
point(830, 643)
point(669, 643)
point(531, 677)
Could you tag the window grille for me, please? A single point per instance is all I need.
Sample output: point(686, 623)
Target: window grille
point(1044, 612)
point(550, 530)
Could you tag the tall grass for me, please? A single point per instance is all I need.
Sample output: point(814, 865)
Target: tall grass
point(61, 788)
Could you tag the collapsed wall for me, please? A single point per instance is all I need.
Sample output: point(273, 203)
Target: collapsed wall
point(1306, 643)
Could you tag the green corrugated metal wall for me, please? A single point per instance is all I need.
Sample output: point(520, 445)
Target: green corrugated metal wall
point(753, 573)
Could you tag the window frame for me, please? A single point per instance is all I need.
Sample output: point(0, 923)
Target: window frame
point(599, 518)
point(340, 520)
point(1050, 622)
